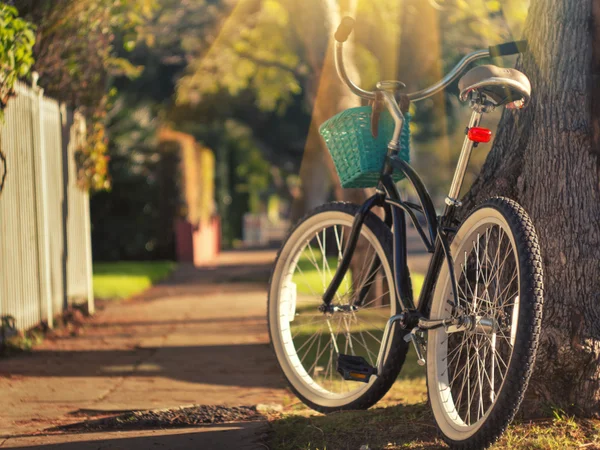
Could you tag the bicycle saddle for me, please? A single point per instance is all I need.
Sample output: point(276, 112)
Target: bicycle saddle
point(499, 85)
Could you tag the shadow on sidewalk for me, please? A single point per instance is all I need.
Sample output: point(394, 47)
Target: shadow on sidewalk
point(239, 436)
point(246, 321)
point(245, 365)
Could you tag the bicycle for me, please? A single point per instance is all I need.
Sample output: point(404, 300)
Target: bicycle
point(480, 305)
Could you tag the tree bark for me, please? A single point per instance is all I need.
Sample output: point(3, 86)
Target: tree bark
point(547, 157)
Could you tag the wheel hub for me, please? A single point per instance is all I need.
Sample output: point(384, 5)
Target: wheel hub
point(474, 325)
point(330, 309)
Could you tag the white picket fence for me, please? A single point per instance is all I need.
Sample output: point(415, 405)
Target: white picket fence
point(45, 248)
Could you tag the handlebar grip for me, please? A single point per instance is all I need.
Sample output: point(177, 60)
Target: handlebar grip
point(345, 29)
point(509, 48)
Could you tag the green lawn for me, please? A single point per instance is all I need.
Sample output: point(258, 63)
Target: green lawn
point(309, 283)
point(309, 280)
point(403, 420)
point(123, 279)
point(411, 426)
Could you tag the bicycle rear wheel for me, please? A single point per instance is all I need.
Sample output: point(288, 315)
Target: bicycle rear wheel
point(477, 373)
point(306, 341)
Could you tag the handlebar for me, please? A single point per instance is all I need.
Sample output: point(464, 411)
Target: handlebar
point(450, 77)
point(509, 48)
point(346, 28)
point(341, 70)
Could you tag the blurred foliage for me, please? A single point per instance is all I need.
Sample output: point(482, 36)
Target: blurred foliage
point(166, 44)
point(76, 58)
point(17, 37)
point(252, 51)
point(244, 179)
point(270, 46)
point(170, 39)
point(92, 158)
point(197, 181)
point(253, 171)
point(276, 50)
point(206, 187)
point(128, 221)
point(242, 77)
point(75, 44)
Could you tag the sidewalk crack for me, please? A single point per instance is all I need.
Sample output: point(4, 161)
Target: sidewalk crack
point(136, 365)
point(122, 379)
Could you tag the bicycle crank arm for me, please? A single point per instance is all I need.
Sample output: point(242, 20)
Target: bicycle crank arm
point(386, 338)
point(418, 341)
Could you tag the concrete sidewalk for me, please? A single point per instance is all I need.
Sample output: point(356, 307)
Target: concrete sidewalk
point(200, 338)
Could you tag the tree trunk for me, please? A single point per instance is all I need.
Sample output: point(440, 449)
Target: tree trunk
point(547, 157)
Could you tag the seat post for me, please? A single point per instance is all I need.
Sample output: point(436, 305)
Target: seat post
point(463, 162)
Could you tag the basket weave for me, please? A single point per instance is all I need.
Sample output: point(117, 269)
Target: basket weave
point(357, 155)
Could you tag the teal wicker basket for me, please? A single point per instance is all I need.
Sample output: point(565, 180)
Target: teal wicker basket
point(357, 155)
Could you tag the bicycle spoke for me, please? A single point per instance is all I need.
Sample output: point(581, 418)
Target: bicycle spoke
point(305, 283)
point(476, 362)
point(370, 354)
point(339, 237)
point(314, 339)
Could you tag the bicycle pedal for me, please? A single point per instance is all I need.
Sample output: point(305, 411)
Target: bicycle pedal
point(355, 368)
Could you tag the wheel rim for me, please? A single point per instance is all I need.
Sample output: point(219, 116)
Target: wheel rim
point(311, 340)
point(470, 366)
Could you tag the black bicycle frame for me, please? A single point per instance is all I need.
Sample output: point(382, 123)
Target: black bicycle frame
point(434, 238)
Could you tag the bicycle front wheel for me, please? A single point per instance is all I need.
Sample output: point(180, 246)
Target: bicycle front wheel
point(306, 340)
point(478, 372)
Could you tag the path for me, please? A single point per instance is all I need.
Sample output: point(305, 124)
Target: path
point(199, 338)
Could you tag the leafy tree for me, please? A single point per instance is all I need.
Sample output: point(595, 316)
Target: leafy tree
point(76, 59)
point(75, 44)
point(168, 40)
point(279, 48)
point(275, 48)
point(16, 42)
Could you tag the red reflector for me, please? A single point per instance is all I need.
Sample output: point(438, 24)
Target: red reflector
point(477, 134)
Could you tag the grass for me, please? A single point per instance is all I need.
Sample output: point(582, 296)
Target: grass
point(403, 420)
point(309, 280)
point(558, 433)
point(121, 280)
point(366, 329)
point(412, 427)
point(21, 342)
point(354, 429)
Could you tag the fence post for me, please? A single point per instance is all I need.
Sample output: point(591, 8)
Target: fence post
point(65, 136)
point(43, 184)
point(88, 254)
point(88, 236)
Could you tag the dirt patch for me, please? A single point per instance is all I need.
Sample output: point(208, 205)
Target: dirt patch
point(168, 418)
